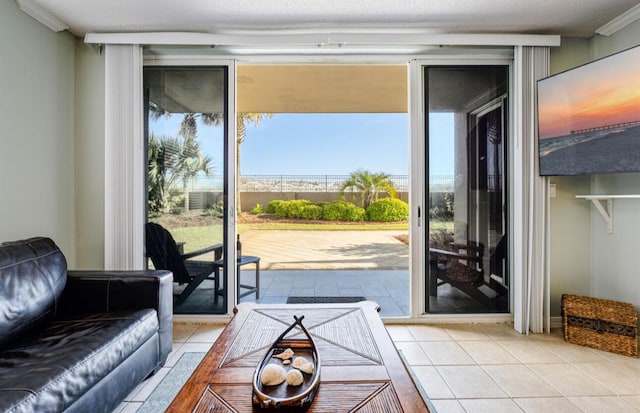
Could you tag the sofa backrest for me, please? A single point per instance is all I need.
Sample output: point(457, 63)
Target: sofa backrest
point(33, 273)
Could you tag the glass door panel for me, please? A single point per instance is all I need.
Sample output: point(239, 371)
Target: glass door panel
point(185, 130)
point(320, 145)
point(466, 134)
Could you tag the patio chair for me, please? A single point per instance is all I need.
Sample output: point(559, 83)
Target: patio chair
point(462, 268)
point(165, 255)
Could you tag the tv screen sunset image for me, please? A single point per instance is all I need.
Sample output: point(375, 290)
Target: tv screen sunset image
point(589, 117)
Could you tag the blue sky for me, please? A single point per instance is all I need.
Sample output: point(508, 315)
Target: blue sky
point(331, 144)
point(441, 158)
point(318, 144)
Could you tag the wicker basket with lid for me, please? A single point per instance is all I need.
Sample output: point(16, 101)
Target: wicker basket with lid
point(601, 324)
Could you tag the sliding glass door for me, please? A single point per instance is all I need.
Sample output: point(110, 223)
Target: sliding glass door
point(466, 131)
point(186, 128)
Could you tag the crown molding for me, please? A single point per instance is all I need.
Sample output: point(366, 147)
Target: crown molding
point(620, 22)
point(42, 15)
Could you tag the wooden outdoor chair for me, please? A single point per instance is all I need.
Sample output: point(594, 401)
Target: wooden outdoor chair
point(462, 268)
point(165, 255)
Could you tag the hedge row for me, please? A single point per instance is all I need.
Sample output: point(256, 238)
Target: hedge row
point(383, 210)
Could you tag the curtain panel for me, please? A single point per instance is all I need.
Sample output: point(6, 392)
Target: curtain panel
point(530, 198)
point(124, 159)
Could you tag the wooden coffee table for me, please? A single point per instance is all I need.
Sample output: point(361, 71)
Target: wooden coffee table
point(361, 369)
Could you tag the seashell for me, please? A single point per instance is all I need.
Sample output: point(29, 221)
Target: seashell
point(287, 361)
point(299, 361)
point(285, 355)
point(294, 378)
point(272, 375)
point(307, 368)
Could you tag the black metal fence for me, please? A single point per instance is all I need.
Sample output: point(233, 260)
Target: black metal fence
point(308, 183)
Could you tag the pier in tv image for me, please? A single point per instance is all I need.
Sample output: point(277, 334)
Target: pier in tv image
point(589, 118)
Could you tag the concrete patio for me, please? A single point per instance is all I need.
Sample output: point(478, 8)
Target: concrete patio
point(327, 250)
point(371, 264)
point(389, 288)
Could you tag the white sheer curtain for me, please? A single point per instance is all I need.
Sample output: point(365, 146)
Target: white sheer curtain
point(530, 198)
point(124, 158)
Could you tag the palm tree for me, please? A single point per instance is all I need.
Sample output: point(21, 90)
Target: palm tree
point(156, 176)
point(189, 129)
point(370, 185)
point(242, 120)
point(171, 161)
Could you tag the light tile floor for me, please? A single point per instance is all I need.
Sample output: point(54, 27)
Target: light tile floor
point(479, 368)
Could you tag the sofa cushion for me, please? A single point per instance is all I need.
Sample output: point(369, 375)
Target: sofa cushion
point(56, 366)
point(33, 274)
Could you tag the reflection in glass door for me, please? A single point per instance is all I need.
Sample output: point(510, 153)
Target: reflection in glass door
point(467, 130)
point(185, 128)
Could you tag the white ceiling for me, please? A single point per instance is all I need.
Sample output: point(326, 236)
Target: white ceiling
point(569, 18)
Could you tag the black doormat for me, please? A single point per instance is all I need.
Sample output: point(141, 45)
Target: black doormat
point(323, 300)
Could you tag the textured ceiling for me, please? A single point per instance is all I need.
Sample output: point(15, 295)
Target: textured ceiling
point(322, 88)
point(569, 18)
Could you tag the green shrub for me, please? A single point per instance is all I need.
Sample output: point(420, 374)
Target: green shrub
point(311, 212)
point(304, 209)
point(388, 210)
point(440, 239)
point(272, 205)
point(281, 209)
point(211, 212)
point(292, 209)
point(333, 210)
point(343, 211)
point(176, 202)
point(216, 210)
point(177, 210)
point(257, 210)
point(354, 214)
point(442, 208)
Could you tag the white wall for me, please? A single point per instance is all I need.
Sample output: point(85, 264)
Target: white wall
point(615, 273)
point(569, 239)
point(570, 54)
point(624, 39)
point(37, 110)
point(90, 123)
point(585, 259)
point(570, 218)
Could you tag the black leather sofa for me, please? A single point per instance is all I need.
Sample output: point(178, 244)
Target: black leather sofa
point(79, 340)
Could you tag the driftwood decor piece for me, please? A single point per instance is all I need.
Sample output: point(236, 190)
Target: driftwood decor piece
point(289, 373)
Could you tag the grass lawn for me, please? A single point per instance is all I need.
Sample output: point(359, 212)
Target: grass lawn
point(198, 237)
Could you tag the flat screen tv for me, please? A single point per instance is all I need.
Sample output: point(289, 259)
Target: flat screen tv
point(589, 117)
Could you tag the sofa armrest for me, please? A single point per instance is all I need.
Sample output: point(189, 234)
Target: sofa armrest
point(106, 291)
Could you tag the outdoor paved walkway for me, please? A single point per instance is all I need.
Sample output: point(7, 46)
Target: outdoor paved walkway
point(326, 250)
point(388, 288)
point(371, 264)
